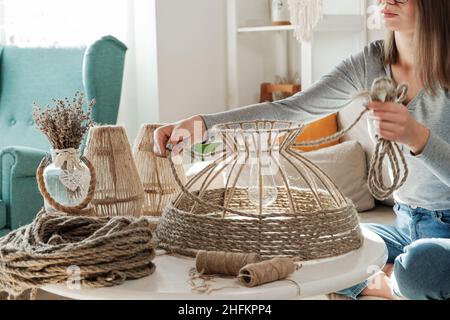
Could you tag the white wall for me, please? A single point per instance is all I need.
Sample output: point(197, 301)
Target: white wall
point(378, 33)
point(181, 63)
point(139, 100)
point(191, 57)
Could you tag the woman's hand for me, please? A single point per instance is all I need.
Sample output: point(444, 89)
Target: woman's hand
point(394, 122)
point(178, 135)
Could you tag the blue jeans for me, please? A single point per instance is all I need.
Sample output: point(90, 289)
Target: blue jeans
point(419, 247)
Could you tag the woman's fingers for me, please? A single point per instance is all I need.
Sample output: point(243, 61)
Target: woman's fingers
point(383, 126)
point(386, 107)
point(179, 138)
point(388, 117)
point(174, 137)
point(161, 138)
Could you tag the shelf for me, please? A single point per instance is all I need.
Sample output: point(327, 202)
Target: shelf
point(266, 28)
point(329, 23)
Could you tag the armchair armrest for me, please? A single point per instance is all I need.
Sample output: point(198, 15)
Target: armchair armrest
point(18, 187)
point(22, 161)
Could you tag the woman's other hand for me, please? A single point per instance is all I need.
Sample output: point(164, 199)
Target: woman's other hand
point(394, 122)
point(177, 135)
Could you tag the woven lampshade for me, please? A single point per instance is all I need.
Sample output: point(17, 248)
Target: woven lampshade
point(156, 175)
point(260, 195)
point(119, 189)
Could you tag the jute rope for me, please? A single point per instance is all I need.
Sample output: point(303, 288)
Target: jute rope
point(305, 234)
point(105, 251)
point(78, 209)
point(383, 148)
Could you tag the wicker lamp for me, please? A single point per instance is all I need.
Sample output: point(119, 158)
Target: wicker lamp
point(156, 175)
point(272, 201)
point(119, 189)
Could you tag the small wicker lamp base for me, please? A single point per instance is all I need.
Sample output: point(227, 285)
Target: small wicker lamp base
point(119, 190)
point(156, 176)
point(261, 208)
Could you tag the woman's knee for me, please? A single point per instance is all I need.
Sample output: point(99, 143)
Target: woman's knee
point(422, 272)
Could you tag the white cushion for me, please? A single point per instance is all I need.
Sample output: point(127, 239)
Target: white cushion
point(346, 165)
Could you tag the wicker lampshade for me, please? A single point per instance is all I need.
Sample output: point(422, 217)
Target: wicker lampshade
point(261, 195)
point(119, 189)
point(156, 175)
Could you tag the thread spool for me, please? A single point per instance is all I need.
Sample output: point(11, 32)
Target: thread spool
point(223, 263)
point(256, 274)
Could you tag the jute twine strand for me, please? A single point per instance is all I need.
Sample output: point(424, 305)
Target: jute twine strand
point(256, 274)
point(78, 209)
point(107, 252)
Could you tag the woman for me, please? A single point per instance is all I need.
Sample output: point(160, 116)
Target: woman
point(416, 52)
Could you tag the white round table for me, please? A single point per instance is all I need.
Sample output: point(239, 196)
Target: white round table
point(170, 279)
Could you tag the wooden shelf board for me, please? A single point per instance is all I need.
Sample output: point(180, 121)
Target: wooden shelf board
point(329, 23)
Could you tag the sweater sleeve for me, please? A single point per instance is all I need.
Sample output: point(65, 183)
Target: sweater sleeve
point(436, 157)
point(331, 93)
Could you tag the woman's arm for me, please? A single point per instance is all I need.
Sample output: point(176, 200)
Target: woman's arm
point(328, 95)
point(436, 157)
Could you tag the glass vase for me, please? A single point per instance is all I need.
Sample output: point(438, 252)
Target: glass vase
point(67, 187)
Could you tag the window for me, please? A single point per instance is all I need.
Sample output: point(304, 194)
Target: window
point(61, 23)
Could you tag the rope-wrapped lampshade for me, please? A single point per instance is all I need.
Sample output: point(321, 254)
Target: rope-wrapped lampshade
point(119, 189)
point(260, 195)
point(156, 175)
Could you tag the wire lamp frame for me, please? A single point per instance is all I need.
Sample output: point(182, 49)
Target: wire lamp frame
point(258, 194)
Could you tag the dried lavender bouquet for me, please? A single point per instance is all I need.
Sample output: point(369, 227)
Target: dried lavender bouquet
point(65, 125)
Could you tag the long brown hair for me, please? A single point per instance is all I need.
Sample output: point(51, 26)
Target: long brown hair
point(432, 39)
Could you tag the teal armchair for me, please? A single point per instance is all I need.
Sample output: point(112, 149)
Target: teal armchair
point(38, 75)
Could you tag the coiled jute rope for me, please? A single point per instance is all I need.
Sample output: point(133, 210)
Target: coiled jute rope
point(103, 251)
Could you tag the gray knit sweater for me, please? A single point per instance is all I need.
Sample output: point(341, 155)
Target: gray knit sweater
point(428, 184)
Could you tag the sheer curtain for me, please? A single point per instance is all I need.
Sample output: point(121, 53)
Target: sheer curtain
point(57, 23)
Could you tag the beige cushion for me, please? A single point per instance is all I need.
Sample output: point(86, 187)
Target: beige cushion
point(346, 165)
point(363, 135)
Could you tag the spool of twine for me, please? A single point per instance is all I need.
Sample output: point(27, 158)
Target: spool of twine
point(256, 274)
point(223, 263)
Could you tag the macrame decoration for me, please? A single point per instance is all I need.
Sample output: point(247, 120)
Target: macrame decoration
point(274, 201)
point(119, 189)
point(156, 175)
point(87, 251)
point(305, 15)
